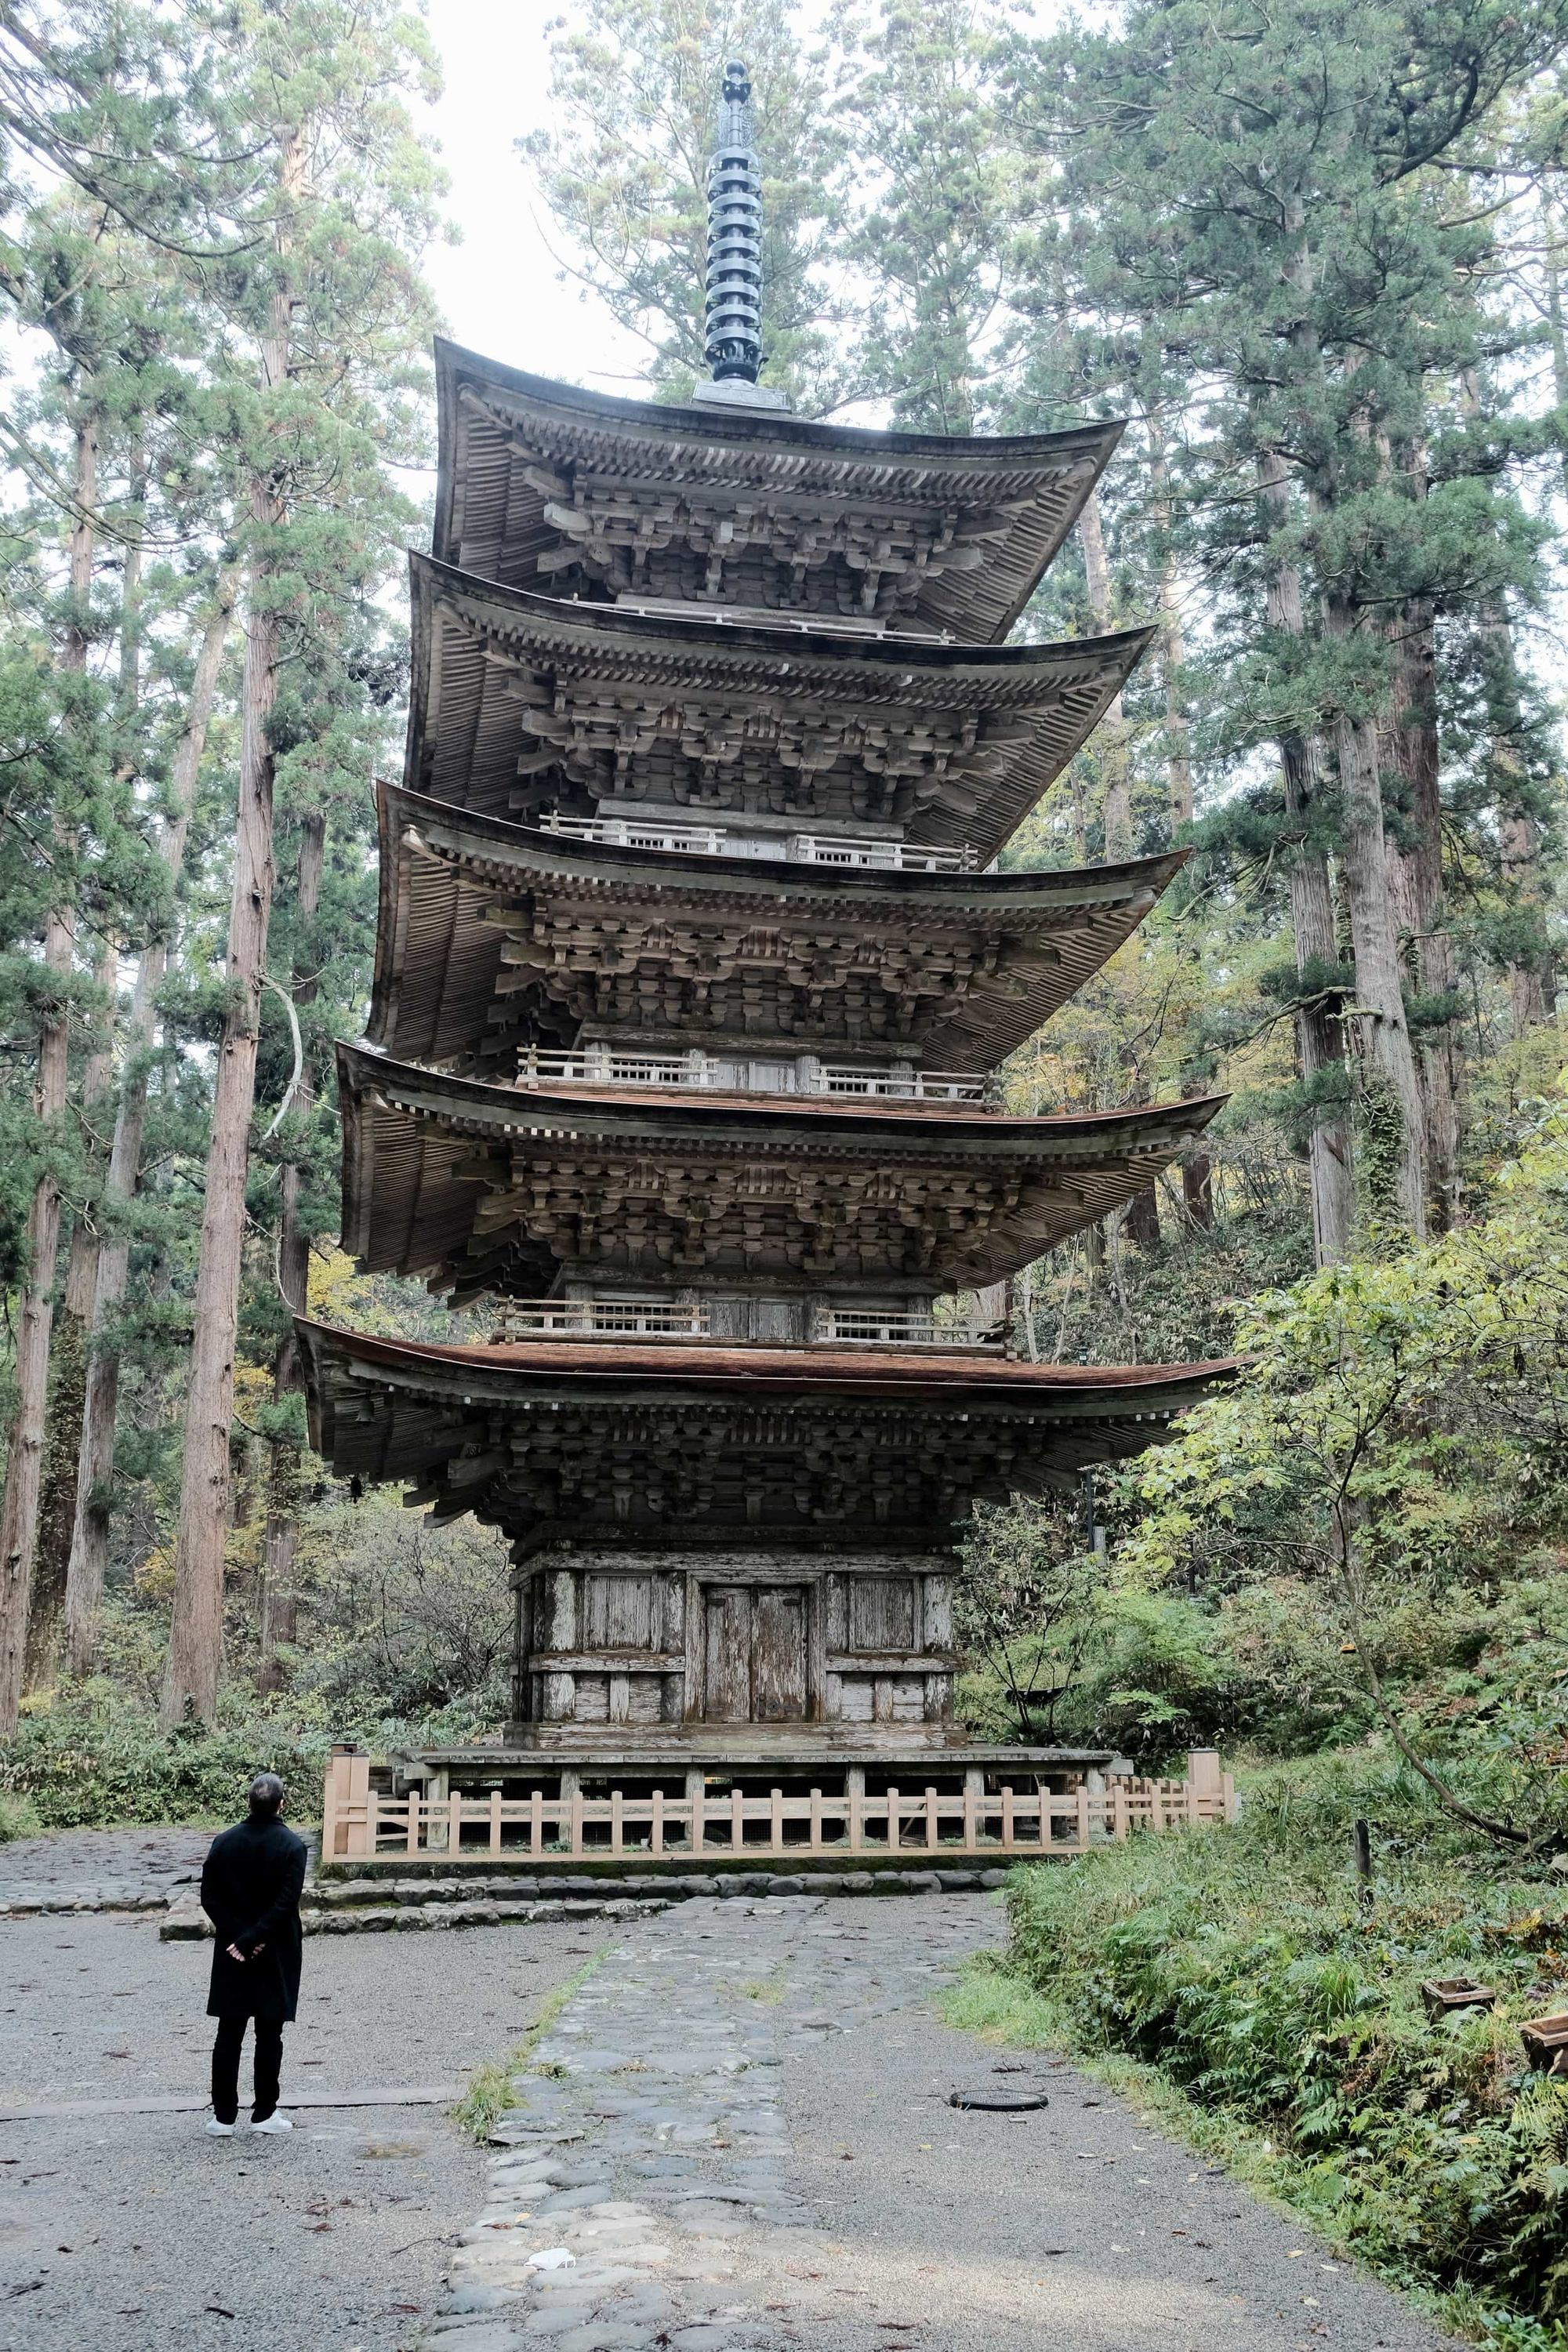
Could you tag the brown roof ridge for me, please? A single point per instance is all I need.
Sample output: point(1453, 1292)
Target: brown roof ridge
point(1200, 1108)
point(715, 429)
point(795, 1366)
point(1155, 871)
point(431, 575)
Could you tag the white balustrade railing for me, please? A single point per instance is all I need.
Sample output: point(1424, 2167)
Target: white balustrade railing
point(604, 1065)
point(614, 1318)
point(868, 850)
point(893, 856)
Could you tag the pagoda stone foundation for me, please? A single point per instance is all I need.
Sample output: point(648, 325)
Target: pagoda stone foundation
point(696, 970)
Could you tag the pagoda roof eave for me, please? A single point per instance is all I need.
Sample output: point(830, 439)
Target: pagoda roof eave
point(454, 980)
point(1059, 692)
point(468, 1423)
point(442, 1177)
point(947, 1378)
point(716, 442)
point(670, 1114)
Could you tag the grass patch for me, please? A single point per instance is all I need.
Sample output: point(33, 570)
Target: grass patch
point(1233, 1987)
point(19, 1817)
point(493, 2089)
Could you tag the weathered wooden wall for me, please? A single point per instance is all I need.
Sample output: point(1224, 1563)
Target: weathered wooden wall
point(677, 1638)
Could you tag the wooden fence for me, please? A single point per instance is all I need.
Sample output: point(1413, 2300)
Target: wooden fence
point(360, 1822)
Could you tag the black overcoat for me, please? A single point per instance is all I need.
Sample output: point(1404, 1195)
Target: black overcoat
point(250, 1891)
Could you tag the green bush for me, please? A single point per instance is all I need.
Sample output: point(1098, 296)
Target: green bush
point(90, 1763)
point(1242, 1964)
point(18, 1819)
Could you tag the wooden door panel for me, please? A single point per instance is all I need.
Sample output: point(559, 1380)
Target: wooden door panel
point(727, 1696)
point(778, 1654)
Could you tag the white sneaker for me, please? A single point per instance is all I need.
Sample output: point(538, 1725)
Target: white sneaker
point(221, 2131)
point(276, 2122)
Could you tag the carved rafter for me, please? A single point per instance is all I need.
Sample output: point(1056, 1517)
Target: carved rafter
point(521, 704)
point(710, 1442)
point(491, 933)
point(544, 486)
point(484, 1189)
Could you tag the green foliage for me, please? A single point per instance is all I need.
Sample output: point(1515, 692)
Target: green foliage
point(19, 1817)
point(402, 1619)
point(1024, 1602)
point(96, 1759)
point(1242, 1965)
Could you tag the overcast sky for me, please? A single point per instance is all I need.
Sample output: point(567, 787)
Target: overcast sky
point(499, 288)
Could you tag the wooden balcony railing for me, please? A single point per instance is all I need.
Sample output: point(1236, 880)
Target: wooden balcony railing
point(606, 1065)
point(360, 1823)
point(846, 1326)
point(789, 848)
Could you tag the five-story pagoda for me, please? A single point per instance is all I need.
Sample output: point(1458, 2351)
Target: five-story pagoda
point(693, 977)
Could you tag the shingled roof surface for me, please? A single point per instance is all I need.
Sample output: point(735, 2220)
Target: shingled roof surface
point(504, 433)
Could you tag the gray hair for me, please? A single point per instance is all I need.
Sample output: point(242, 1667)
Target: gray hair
point(265, 1794)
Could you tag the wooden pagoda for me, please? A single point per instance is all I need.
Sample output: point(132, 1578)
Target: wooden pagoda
point(693, 977)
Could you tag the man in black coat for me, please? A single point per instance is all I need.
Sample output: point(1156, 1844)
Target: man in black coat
point(251, 1883)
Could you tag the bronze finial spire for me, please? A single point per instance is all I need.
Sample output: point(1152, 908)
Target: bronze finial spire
point(734, 310)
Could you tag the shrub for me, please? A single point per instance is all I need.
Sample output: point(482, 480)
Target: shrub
point(1242, 1964)
point(90, 1762)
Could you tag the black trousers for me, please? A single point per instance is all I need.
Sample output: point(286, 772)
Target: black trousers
point(225, 2067)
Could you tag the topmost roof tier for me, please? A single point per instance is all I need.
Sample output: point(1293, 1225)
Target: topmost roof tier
point(573, 493)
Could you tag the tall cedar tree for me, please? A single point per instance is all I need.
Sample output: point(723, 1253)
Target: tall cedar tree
point(1290, 203)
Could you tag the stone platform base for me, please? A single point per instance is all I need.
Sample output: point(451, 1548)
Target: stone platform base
point(394, 1895)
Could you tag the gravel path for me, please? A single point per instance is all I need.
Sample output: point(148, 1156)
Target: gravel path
point(739, 2129)
point(137, 2233)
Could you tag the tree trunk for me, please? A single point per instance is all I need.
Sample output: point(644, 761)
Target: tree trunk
point(1143, 1218)
point(195, 1642)
point(68, 1378)
point(24, 1464)
point(1111, 745)
point(1533, 982)
point(1319, 1035)
point(1388, 1056)
point(95, 1465)
point(1197, 1190)
point(1178, 730)
point(69, 1352)
point(1531, 985)
point(1416, 877)
point(282, 1536)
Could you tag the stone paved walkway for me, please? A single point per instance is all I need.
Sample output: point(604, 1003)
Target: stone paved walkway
point(739, 2130)
point(95, 1870)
